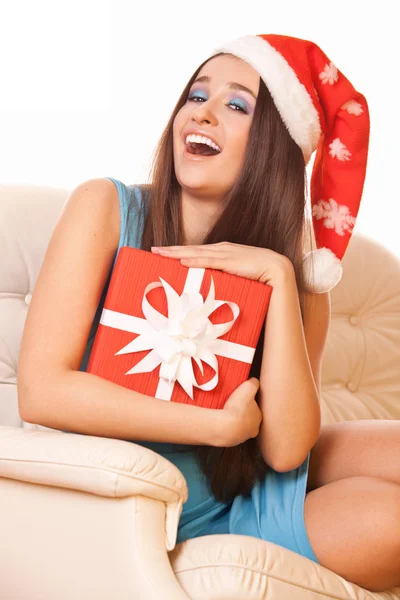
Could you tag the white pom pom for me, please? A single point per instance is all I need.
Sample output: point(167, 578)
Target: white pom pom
point(322, 270)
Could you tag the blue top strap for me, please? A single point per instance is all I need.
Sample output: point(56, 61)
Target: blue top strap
point(130, 202)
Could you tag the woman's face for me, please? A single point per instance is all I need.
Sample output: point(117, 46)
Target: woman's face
point(220, 107)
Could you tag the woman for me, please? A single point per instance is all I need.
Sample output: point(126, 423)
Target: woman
point(228, 192)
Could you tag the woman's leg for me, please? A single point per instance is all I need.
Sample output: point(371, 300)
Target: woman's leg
point(353, 448)
point(354, 529)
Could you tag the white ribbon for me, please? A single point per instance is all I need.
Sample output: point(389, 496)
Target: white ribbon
point(186, 333)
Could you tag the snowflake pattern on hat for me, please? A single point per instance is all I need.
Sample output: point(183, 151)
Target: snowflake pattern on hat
point(353, 107)
point(338, 150)
point(329, 74)
point(335, 216)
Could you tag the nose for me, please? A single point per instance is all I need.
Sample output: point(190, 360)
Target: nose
point(204, 113)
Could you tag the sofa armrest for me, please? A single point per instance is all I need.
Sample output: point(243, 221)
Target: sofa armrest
point(98, 465)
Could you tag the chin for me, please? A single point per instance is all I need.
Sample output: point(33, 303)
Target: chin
point(200, 178)
point(193, 181)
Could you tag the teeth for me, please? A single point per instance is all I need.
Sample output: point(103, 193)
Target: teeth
point(200, 139)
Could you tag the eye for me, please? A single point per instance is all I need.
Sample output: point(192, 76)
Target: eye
point(192, 97)
point(238, 105)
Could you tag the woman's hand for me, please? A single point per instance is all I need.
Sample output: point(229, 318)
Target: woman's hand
point(241, 417)
point(260, 264)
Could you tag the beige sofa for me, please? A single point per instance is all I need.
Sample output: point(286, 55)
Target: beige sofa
point(91, 518)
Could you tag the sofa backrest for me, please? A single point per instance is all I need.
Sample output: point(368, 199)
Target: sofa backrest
point(28, 215)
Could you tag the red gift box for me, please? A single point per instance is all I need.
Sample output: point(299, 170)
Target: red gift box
point(177, 333)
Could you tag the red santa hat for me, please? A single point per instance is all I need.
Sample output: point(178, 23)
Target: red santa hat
point(322, 111)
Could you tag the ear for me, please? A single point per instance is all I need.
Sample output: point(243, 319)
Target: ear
point(317, 314)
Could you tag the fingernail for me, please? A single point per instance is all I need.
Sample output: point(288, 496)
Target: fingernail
point(155, 249)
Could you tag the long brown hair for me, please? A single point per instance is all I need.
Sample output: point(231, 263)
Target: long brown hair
point(264, 208)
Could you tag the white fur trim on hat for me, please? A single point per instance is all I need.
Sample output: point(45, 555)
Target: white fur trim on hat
point(322, 270)
point(290, 96)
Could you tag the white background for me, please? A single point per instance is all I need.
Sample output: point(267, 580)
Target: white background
point(87, 86)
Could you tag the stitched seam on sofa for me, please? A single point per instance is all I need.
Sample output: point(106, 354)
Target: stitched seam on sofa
point(115, 471)
point(299, 585)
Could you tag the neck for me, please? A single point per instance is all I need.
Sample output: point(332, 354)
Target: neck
point(199, 215)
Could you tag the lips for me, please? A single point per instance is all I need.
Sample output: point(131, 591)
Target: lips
point(202, 133)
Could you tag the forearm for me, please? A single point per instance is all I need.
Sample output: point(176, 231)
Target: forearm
point(288, 395)
point(84, 403)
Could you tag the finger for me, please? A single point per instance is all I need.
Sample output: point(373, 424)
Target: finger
point(202, 249)
point(192, 252)
point(255, 382)
point(182, 252)
point(206, 262)
point(183, 248)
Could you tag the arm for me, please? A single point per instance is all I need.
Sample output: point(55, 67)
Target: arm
point(51, 389)
point(80, 402)
point(290, 373)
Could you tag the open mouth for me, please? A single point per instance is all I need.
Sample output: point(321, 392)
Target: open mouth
point(202, 149)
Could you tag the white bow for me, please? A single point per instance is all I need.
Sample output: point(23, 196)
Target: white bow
point(186, 333)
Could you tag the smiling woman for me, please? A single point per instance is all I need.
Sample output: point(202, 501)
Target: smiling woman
point(228, 191)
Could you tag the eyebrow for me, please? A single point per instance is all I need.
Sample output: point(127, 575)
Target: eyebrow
point(232, 85)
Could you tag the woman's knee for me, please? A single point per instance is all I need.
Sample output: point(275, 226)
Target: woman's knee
point(354, 529)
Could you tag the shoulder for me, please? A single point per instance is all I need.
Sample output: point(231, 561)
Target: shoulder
point(98, 184)
point(97, 190)
point(97, 201)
